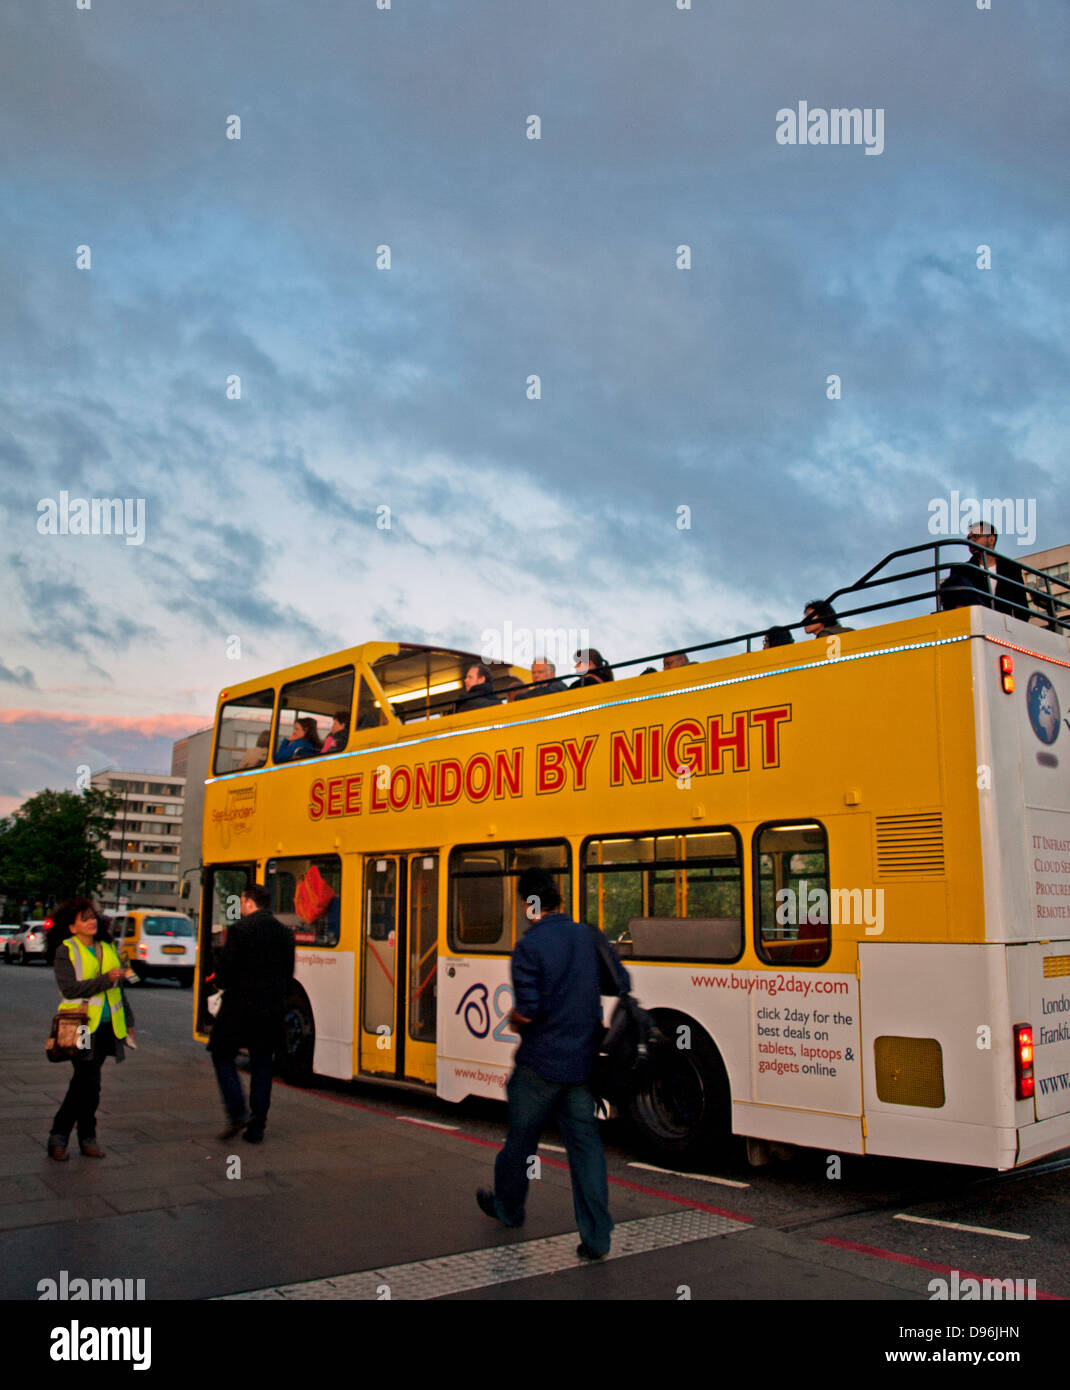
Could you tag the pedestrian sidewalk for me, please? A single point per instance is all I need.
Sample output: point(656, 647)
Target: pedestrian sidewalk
point(335, 1187)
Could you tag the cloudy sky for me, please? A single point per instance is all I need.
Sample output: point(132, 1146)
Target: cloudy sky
point(361, 388)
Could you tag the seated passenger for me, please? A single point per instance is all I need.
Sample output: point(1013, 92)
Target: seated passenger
point(591, 668)
point(478, 689)
point(778, 637)
point(543, 680)
point(336, 739)
point(257, 755)
point(820, 620)
point(304, 742)
point(676, 659)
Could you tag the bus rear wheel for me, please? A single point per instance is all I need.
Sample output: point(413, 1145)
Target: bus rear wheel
point(683, 1113)
point(299, 1032)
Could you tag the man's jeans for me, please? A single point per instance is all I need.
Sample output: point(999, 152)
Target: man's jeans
point(532, 1103)
point(260, 1066)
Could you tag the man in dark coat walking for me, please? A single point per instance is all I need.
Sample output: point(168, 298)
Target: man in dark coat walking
point(558, 1014)
point(254, 971)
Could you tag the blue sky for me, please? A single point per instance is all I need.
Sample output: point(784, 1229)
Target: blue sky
point(406, 388)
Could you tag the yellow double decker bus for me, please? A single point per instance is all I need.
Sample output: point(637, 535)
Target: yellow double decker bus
point(838, 871)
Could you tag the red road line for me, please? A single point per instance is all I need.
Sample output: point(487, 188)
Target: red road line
point(880, 1254)
point(551, 1162)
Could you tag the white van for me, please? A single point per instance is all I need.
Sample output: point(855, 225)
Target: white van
point(157, 945)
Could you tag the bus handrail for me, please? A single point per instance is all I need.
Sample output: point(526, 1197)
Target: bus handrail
point(1058, 608)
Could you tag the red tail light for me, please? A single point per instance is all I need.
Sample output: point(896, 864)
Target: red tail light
point(1006, 671)
point(1023, 1062)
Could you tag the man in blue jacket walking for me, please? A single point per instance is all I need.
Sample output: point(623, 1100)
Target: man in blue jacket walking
point(558, 1015)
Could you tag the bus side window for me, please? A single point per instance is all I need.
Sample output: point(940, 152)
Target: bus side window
point(306, 896)
point(792, 891)
point(672, 896)
point(318, 698)
point(241, 723)
point(485, 912)
point(476, 912)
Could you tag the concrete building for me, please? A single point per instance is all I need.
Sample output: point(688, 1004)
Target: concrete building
point(1055, 562)
point(142, 850)
point(189, 760)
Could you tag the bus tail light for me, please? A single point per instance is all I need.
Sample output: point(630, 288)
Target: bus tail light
point(1024, 1084)
point(1006, 671)
point(143, 952)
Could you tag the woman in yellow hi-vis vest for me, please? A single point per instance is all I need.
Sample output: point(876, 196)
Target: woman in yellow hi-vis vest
point(87, 970)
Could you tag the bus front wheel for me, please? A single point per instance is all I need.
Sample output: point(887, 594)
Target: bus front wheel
point(299, 1031)
point(683, 1113)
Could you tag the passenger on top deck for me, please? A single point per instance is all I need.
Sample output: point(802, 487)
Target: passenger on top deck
point(544, 680)
point(304, 742)
point(676, 659)
point(591, 668)
point(336, 739)
point(820, 620)
point(257, 755)
point(778, 637)
point(479, 689)
point(988, 579)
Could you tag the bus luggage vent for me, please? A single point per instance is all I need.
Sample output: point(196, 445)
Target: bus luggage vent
point(910, 1071)
point(910, 845)
point(1056, 965)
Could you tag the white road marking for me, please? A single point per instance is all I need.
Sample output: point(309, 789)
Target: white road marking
point(698, 1177)
point(957, 1226)
point(500, 1264)
point(431, 1124)
point(554, 1148)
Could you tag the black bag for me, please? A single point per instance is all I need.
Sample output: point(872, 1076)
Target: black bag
point(624, 1061)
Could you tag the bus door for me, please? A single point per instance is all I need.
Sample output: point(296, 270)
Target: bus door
point(381, 1040)
point(399, 962)
point(421, 988)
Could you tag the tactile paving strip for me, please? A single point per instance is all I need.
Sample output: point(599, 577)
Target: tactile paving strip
point(502, 1264)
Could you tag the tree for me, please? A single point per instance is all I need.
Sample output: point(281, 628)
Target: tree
point(51, 845)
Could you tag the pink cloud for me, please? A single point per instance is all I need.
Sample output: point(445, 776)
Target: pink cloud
point(149, 726)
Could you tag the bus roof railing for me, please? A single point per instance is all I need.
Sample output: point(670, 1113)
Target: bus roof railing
point(1047, 604)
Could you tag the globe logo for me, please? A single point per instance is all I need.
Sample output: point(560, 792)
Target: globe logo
point(1043, 705)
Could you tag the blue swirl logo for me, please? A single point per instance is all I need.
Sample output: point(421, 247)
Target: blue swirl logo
point(474, 1003)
